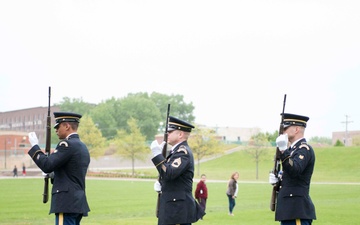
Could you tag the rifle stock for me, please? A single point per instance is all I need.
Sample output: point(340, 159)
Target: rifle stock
point(47, 150)
point(163, 152)
point(277, 165)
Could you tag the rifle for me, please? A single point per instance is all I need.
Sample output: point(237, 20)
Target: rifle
point(47, 151)
point(163, 152)
point(277, 165)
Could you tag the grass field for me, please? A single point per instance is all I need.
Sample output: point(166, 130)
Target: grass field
point(126, 202)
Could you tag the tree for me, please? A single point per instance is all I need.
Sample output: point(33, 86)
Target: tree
point(143, 110)
point(339, 143)
point(54, 138)
point(112, 114)
point(91, 136)
point(105, 117)
point(179, 108)
point(132, 144)
point(270, 137)
point(76, 105)
point(320, 140)
point(204, 142)
point(259, 145)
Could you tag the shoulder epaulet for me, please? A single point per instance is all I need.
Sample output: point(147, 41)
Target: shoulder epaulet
point(304, 145)
point(182, 148)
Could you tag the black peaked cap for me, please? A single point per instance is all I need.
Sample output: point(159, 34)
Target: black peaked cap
point(294, 120)
point(66, 117)
point(177, 124)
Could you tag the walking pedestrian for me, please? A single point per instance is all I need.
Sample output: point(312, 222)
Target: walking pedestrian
point(15, 171)
point(232, 191)
point(23, 170)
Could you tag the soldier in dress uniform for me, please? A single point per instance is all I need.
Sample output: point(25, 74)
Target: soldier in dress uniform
point(294, 205)
point(68, 165)
point(177, 204)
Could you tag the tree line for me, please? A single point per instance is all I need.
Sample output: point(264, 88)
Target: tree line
point(125, 126)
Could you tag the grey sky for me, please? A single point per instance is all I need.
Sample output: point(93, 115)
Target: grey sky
point(234, 60)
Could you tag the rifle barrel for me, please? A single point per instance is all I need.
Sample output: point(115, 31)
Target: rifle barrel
point(164, 150)
point(277, 166)
point(47, 150)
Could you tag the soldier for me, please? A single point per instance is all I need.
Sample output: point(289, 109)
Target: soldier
point(177, 204)
point(294, 205)
point(68, 164)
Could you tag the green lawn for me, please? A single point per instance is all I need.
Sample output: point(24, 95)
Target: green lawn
point(333, 164)
point(133, 202)
point(115, 201)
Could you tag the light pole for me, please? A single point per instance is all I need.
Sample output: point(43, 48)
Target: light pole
point(346, 129)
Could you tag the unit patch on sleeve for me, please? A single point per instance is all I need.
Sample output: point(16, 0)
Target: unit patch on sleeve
point(64, 143)
point(176, 163)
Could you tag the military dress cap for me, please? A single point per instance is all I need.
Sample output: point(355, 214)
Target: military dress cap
point(294, 120)
point(66, 117)
point(177, 124)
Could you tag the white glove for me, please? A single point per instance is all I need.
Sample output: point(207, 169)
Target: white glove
point(157, 186)
point(49, 175)
point(33, 139)
point(156, 148)
point(282, 142)
point(273, 179)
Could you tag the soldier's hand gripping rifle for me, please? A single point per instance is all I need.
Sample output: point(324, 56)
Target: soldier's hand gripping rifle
point(47, 150)
point(163, 152)
point(277, 165)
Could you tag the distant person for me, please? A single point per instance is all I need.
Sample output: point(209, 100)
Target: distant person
point(15, 171)
point(294, 205)
point(69, 164)
point(232, 191)
point(201, 192)
point(23, 170)
point(177, 204)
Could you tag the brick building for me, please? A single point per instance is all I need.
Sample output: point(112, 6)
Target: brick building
point(345, 137)
point(14, 128)
point(27, 120)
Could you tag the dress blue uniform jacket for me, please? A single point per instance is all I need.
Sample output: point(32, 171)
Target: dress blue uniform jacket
point(177, 204)
point(69, 162)
point(293, 200)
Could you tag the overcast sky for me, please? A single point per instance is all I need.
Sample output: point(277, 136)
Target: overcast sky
point(234, 60)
